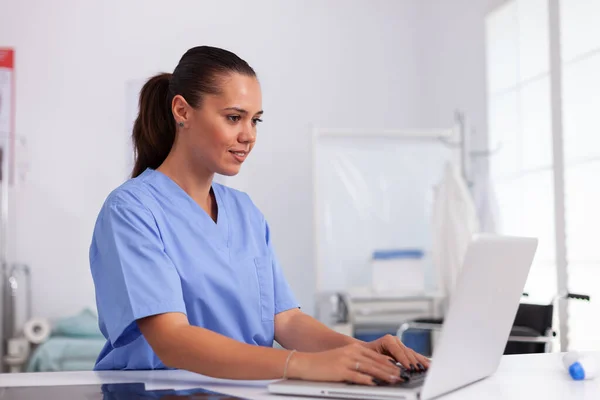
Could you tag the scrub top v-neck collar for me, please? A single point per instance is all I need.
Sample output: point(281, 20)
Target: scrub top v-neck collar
point(220, 228)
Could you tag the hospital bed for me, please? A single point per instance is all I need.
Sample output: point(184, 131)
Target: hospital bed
point(74, 345)
point(66, 354)
point(67, 344)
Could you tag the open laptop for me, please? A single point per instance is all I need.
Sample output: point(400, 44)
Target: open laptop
point(475, 330)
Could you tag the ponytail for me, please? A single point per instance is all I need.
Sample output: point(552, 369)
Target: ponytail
point(154, 127)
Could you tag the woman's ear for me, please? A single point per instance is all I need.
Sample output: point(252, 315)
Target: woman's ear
point(181, 110)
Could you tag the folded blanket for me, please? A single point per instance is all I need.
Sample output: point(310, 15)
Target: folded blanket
point(84, 324)
point(74, 345)
point(66, 354)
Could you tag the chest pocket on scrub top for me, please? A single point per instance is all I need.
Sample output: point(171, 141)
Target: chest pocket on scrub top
point(264, 274)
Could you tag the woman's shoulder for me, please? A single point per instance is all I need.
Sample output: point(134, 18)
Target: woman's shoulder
point(127, 204)
point(132, 193)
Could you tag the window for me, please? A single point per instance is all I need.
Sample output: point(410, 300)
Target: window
point(520, 118)
point(580, 53)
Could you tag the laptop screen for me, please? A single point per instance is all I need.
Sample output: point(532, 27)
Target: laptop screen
point(117, 391)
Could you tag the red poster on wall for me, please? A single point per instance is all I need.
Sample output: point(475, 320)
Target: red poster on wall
point(7, 110)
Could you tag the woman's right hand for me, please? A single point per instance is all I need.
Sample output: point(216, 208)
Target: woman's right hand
point(354, 363)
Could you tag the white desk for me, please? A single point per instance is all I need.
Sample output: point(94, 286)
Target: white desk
point(528, 377)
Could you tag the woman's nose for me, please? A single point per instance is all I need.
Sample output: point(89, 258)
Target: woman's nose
point(247, 135)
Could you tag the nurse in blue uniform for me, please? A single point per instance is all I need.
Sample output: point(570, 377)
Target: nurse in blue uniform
point(184, 268)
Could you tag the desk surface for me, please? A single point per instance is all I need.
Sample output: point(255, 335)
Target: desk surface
point(539, 376)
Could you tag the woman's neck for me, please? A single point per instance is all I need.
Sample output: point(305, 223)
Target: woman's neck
point(195, 181)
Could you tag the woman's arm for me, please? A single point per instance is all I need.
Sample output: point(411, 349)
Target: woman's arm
point(183, 346)
point(297, 330)
point(180, 345)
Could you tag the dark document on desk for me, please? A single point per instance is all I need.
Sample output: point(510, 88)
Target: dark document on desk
point(117, 391)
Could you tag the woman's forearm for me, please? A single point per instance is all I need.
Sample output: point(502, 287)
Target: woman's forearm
point(304, 333)
point(208, 353)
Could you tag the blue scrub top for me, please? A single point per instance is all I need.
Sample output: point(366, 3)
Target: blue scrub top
point(155, 250)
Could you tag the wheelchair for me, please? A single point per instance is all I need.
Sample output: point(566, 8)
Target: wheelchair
point(532, 330)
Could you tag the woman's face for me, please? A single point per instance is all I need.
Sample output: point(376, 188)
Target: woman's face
point(221, 133)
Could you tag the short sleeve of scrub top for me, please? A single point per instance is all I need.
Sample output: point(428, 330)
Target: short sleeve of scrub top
point(154, 250)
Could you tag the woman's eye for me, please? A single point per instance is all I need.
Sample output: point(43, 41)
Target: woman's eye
point(256, 121)
point(234, 118)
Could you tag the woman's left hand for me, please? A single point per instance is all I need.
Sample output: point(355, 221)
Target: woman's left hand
point(392, 346)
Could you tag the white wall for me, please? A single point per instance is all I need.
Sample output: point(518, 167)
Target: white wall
point(452, 59)
point(330, 63)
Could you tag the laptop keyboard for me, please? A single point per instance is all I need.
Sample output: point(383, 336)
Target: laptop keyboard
point(415, 379)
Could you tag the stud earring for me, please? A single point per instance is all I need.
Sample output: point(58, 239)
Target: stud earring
point(181, 124)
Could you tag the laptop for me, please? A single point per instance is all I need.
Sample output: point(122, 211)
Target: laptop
point(475, 330)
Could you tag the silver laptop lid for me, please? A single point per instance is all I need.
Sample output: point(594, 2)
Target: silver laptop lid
point(481, 312)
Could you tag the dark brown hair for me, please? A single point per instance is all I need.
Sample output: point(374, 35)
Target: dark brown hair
point(197, 74)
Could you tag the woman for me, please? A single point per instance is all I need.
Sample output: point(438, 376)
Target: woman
point(184, 269)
